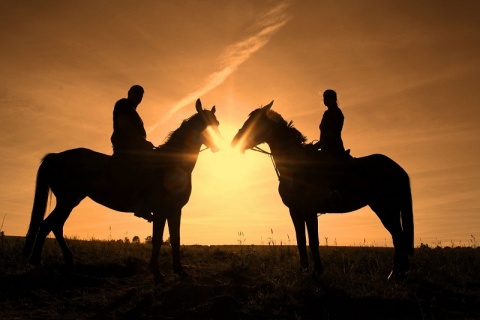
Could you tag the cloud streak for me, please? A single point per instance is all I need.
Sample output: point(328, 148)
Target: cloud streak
point(269, 24)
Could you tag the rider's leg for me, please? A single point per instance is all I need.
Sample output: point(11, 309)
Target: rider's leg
point(144, 210)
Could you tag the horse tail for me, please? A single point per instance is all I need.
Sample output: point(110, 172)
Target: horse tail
point(42, 190)
point(407, 215)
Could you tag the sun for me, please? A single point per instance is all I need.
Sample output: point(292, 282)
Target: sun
point(229, 165)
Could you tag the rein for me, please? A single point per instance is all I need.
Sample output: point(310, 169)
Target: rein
point(258, 149)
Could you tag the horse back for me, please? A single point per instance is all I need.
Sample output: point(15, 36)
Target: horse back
point(380, 165)
point(76, 161)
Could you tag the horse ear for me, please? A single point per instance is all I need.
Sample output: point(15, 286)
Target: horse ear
point(198, 105)
point(268, 106)
point(213, 109)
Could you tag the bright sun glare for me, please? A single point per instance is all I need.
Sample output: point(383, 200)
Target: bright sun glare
point(229, 164)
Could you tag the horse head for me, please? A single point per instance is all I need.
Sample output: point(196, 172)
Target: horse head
point(256, 130)
point(207, 125)
point(200, 129)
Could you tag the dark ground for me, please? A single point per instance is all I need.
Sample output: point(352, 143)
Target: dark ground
point(111, 281)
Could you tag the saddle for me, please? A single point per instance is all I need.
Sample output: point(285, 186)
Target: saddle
point(318, 155)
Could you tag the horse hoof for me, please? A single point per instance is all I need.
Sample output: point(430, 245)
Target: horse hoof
point(179, 269)
point(182, 273)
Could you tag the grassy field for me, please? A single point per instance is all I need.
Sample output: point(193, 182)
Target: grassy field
point(111, 281)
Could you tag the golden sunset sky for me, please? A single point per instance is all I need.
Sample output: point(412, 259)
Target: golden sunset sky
point(407, 74)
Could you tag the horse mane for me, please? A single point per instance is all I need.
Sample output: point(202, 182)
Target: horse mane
point(180, 130)
point(290, 131)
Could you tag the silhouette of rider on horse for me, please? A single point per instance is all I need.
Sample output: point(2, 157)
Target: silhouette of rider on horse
point(330, 146)
point(130, 144)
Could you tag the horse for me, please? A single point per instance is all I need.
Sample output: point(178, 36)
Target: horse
point(311, 184)
point(165, 183)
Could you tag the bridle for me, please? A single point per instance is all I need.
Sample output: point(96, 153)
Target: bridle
point(258, 149)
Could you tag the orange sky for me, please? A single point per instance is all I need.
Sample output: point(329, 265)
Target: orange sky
point(407, 76)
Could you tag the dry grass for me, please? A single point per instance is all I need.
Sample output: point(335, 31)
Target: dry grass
point(111, 281)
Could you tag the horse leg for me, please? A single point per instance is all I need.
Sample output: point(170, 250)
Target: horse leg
point(43, 231)
point(390, 218)
point(174, 230)
point(57, 228)
point(54, 222)
point(299, 224)
point(313, 242)
point(157, 238)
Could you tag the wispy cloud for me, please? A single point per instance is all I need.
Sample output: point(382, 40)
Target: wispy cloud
point(269, 24)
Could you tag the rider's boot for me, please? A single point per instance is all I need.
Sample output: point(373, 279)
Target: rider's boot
point(143, 211)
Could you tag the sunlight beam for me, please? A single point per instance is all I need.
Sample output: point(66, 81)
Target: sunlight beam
point(216, 137)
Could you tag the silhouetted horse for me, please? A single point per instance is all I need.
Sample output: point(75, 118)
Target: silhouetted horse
point(75, 174)
point(308, 181)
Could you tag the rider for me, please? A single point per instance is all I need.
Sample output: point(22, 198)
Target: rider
point(331, 127)
point(129, 137)
point(331, 144)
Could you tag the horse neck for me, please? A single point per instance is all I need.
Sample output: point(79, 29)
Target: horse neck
point(286, 151)
point(182, 149)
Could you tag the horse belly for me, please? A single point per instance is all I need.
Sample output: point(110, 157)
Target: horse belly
point(317, 199)
point(346, 202)
point(119, 200)
point(301, 196)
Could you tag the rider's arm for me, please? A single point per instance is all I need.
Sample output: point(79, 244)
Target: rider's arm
point(125, 125)
point(128, 129)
